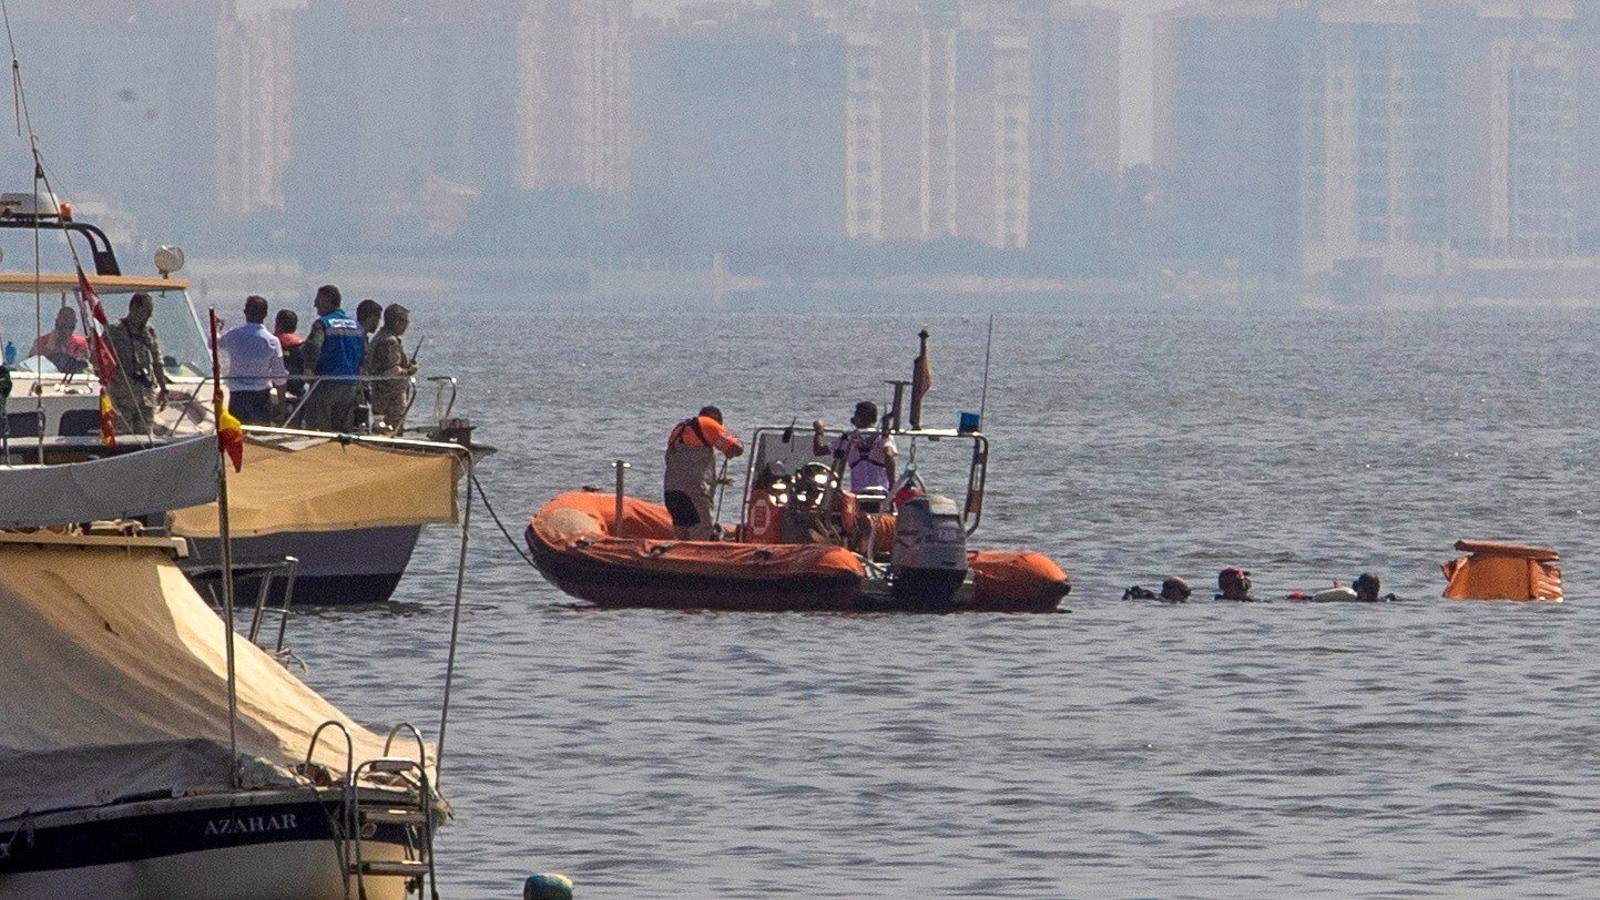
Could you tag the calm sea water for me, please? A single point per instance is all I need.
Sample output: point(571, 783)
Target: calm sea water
point(1430, 748)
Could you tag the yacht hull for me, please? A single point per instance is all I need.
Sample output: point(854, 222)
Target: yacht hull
point(358, 565)
point(258, 844)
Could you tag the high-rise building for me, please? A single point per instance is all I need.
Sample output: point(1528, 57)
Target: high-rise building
point(254, 89)
point(1404, 133)
point(900, 115)
point(1075, 132)
point(1431, 126)
point(741, 131)
point(1509, 141)
point(1372, 117)
point(1075, 119)
point(386, 127)
point(574, 95)
point(1227, 104)
point(992, 175)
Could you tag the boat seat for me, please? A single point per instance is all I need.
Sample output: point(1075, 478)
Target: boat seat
point(79, 423)
point(23, 424)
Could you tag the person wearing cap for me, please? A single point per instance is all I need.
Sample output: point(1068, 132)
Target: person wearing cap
point(866, 451)
point(691, 472)
point(1233, 583)
point(386, 360)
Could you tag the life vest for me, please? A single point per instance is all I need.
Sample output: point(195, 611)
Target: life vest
point(857, 448)
point(690, 469)
point(344, 345)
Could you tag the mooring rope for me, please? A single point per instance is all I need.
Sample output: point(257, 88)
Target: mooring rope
point(483, 495)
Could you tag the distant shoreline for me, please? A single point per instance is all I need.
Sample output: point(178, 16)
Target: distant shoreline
point(565, 282)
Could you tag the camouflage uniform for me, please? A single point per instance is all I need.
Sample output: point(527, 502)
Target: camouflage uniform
point(386, 358)
point(137, 384)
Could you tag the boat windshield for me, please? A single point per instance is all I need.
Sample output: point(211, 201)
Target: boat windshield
point(183, 343)
point(947, 462)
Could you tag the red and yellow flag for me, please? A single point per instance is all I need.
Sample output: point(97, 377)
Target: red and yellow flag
point(108, 420)
point(230, 431)
point(230, 436)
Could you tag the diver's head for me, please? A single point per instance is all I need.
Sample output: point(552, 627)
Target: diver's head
point(1366, 587)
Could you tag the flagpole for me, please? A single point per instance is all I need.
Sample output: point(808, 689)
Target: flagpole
point(227, 558)
point(988, 348)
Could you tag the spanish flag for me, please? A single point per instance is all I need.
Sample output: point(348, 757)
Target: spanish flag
point(230, 437)
point(108, 420)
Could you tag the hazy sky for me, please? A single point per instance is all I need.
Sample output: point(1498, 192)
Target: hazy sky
point(1136, 61)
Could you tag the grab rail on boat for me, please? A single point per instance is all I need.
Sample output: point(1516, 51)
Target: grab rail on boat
point(422, 748)
point(349, 747)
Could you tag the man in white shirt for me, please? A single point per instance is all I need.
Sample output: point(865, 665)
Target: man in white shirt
point(255, 366)
point(868, 452)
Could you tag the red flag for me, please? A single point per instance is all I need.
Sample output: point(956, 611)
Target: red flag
point(105, 362)
point(921, 380)
point(92, 299)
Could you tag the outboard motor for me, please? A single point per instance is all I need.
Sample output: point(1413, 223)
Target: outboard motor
point(929, 561)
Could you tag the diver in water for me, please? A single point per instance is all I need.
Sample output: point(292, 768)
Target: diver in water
point(1367, 587)
point(1233, 583)
point(1173, 590)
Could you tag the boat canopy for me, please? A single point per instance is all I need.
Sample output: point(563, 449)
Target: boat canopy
point(145, 482)
point(117, 682)
point(322, 484)
point(62, 282)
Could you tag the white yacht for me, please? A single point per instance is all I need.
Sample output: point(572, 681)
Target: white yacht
point(146, 750)
point(52, 416)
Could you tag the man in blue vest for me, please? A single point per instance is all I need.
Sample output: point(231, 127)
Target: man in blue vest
point(333, 354)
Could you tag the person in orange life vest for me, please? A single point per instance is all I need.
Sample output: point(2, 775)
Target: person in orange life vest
point(867, 452)
point(691, 472)
point(66, 349)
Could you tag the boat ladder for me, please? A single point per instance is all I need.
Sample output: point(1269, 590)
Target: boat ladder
point(363, 816)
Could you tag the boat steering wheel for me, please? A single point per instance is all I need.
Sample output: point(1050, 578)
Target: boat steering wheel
point(811, 485)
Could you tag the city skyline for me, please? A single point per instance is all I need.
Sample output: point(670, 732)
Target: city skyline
point(1134, 73)
point(1302, 138)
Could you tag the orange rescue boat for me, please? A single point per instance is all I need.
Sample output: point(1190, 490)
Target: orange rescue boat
point(803, 546)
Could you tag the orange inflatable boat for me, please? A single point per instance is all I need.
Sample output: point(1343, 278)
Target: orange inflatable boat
point(573, 543)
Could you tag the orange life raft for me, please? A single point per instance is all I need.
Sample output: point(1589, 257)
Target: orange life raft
point(1496, 571)
point(573, 544)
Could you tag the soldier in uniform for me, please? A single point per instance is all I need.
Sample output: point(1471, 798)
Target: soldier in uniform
point(140, 385)
point(386, 359)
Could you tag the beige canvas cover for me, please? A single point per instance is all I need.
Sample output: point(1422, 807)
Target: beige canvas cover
point(107, 651)
point(326, 485)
